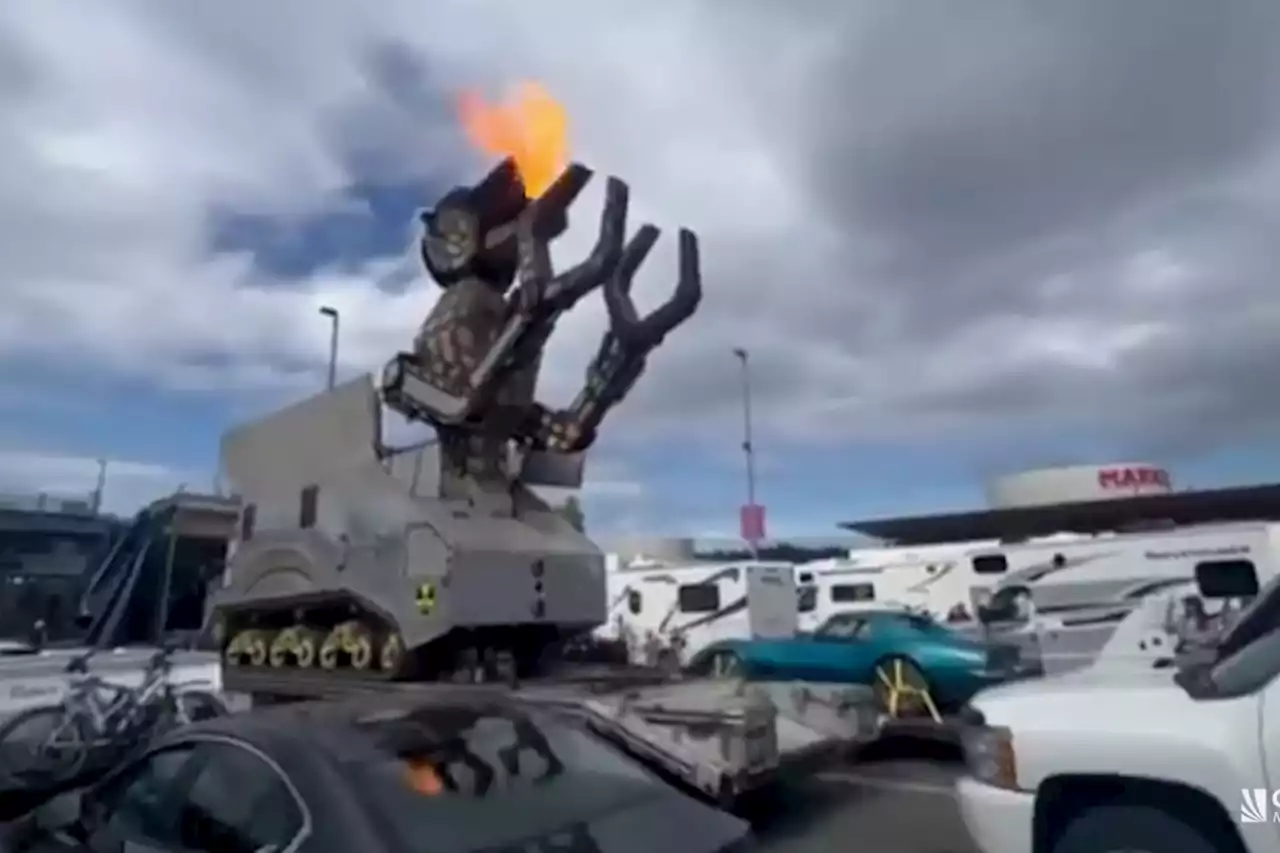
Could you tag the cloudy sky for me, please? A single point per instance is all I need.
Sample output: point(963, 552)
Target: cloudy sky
point(955, 240)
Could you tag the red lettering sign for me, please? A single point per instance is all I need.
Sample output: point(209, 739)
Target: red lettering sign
point(1133, 478)
point(751, 523)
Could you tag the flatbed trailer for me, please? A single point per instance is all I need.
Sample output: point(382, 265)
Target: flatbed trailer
point(723, 739)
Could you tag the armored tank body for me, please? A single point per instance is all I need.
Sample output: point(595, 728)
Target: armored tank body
point(439, 561)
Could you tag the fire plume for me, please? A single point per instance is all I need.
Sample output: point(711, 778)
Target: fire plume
point(529, 126)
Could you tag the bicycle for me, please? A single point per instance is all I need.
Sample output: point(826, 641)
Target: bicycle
point(97, 715)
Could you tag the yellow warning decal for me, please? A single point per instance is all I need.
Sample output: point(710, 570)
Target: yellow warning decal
point(426, 598)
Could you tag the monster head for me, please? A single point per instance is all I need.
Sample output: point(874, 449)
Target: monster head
point(471, 232)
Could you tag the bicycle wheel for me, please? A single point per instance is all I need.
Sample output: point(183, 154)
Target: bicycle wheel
point(43, 746)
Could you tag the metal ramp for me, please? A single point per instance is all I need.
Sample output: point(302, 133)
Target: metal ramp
point(722, 739)
point(726, 739)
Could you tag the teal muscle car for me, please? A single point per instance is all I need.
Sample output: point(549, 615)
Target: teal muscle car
point(910, 660)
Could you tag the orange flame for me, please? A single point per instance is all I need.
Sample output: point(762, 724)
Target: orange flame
point(530, 126)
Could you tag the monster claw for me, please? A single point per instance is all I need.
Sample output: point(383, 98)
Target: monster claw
point(564, 190)
point(617, 288)
point(690, 267)
point(544, 219)
point(572, 285)
point(634, 255)
point(645, 334)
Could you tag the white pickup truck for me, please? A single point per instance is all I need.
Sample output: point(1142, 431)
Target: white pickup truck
point(1129, 760)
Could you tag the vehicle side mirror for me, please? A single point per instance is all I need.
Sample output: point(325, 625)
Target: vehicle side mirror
point(1226, 579)
point(60, 812)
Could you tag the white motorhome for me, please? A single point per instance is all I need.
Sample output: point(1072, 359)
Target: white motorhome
point(932, 578)
point(1067, 597)
point(664, 612)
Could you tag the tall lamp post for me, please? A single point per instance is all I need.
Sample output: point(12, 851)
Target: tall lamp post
point(332, 314)
point(752, 515)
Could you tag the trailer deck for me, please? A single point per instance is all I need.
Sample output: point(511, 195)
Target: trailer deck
point(723, 739)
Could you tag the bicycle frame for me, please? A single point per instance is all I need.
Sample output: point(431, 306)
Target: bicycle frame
point(109, 717)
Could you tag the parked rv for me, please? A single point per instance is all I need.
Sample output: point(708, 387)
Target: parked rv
point(934, 579)
point(1063, 600)
point(670, 613)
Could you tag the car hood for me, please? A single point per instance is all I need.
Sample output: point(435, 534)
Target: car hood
point(1091, 694)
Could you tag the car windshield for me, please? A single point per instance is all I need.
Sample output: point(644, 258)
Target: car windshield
point(490, 779)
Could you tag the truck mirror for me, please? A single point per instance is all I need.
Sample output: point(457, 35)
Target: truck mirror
point(1226, 579)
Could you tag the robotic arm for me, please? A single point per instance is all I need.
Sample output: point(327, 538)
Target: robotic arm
point(476, 244)
point(624, 349)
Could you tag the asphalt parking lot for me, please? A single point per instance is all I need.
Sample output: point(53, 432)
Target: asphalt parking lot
point(889, 806)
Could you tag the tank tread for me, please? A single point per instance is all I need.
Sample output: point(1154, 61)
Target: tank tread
point(313, 684)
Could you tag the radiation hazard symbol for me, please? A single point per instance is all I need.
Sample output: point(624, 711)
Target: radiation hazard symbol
point(426, 598)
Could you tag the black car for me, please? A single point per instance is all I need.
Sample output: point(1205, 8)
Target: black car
point(458, 773)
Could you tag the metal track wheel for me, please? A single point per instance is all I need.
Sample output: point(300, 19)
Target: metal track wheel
point(355, 640)
point(391, 653)
point(330, 651)
point(284, 647)
point(307, 649)
point(236, 649)
point(258, 648)
point(901, 689)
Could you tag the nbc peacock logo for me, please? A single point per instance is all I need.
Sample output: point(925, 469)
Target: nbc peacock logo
point(1253, 805)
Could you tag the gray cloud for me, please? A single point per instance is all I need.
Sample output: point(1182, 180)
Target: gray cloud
point(1010, 182)
point(923, 220)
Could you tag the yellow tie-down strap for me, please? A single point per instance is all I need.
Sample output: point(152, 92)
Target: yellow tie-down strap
point(425, 597)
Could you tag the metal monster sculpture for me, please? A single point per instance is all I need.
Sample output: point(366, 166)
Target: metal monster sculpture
point(474, 367)
point(346, 561)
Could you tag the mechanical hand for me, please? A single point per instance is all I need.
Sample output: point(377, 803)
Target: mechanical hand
point(625, 347)
point(540, 292)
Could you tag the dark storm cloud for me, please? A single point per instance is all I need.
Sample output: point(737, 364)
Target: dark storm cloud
point(978, 129)
point(1015, 160)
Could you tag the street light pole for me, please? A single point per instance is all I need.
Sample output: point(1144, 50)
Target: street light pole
point(748, 448)
point(332, 314)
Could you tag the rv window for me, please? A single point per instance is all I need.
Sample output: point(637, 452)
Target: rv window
point(990, 564)
point(807, 598)
point(846, 592)
point(1227, 579)
point(633, 602)
point(248, 519)
point(307, 502)
point(806, 577)
point(698, 598)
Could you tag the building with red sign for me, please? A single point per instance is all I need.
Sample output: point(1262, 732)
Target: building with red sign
point(1079, 499)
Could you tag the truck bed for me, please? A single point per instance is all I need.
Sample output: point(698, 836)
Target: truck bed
point(723, 739)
